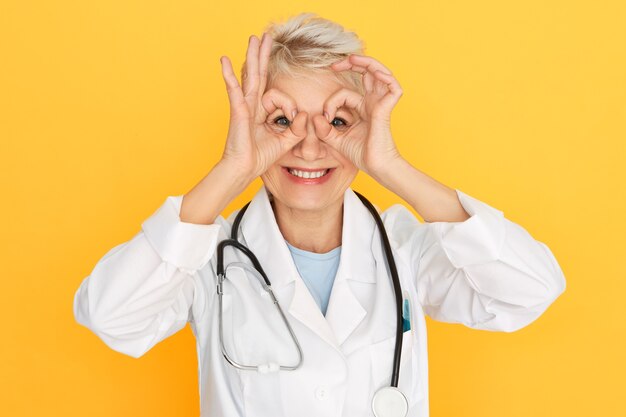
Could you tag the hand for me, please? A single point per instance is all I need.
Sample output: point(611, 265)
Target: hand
point(368, 142)
point(252, 146)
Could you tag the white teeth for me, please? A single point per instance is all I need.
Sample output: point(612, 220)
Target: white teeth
point(308, 174)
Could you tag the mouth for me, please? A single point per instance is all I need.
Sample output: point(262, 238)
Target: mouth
point(308, 176)
point(308, 173)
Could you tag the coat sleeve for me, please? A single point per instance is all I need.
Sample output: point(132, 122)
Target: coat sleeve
point(486, 272)
point(142, 290)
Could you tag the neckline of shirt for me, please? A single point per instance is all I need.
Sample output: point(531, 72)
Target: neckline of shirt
point(312, 255)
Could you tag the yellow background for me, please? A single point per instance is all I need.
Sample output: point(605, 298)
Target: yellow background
point(107, 107)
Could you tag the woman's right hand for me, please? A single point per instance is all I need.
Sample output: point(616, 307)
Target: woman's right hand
point(254, 140)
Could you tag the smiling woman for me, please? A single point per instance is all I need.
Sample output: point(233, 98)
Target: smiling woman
point(311, 112)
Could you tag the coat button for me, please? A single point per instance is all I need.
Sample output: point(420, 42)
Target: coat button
point(321, 393)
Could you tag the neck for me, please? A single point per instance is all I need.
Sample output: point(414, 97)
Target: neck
point(314, 231)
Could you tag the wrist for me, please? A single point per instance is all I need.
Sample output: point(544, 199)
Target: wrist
point(387, 173)
point(236, 176)
point(206, 200)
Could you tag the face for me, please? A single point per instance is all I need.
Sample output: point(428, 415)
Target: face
point(286, 179)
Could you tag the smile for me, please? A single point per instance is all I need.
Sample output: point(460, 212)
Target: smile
point(308, 174)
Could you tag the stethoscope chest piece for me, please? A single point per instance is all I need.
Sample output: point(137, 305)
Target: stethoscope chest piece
point(390, 402)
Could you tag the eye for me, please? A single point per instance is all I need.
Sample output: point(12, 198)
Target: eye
point(342, 123)
point(278, 122)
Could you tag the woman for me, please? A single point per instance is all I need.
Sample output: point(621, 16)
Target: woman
point(311, 112)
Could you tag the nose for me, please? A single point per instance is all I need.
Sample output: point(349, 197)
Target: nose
point(311, 147)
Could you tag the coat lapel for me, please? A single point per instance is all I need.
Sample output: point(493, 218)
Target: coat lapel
point(357, 267)
point(345, 312)
point(263, 237)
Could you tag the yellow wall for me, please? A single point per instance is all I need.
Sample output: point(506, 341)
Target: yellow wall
point(107, 107)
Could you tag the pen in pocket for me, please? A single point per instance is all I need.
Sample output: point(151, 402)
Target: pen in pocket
point(406, 314)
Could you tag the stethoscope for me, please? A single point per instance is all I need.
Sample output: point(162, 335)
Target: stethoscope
point(387, 401)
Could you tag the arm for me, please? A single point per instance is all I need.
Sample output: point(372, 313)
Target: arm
point(146, 289)
point(204, 202)
point(142, 290)
point(472, 265)
point(432, 200)
point(484, 271)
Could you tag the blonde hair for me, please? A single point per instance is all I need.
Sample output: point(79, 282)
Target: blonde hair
point(307, 44)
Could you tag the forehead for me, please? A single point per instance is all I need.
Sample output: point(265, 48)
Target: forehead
point(309, 90)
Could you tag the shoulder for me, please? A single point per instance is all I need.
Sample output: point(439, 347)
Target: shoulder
point(400, 223)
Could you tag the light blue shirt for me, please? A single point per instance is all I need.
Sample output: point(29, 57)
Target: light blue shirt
point(318, 271)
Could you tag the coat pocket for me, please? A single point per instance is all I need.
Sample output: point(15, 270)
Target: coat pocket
point(382, 364)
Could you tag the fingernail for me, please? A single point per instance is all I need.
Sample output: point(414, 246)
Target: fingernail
point(326, 116)
point(293, 114)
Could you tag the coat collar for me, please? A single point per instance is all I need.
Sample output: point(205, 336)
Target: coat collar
point(345, 312)
point(263, 237)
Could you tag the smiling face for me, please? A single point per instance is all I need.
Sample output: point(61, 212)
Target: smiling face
point(312, 176)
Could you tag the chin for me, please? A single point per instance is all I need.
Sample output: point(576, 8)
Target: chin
point(303, 197)
point(308, 201)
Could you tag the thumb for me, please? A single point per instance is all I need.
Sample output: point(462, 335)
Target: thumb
point(325, 131)
point(296, 132)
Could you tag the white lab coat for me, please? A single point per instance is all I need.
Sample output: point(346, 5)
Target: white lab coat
point(485, 272)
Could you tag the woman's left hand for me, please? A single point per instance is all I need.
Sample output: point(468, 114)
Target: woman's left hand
point(368, 142)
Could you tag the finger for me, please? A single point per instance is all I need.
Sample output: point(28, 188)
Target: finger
point(327, 134)
point(235, 94)
point(347, 65)
point(274, 100)
point(323, 130)
point(366, 66)
point(250, 80)
point(368, 62)
point(389, 100)
point(296, 132)
point(264, 57)
point(368, 82)
point(342, 62)
point(343, 98)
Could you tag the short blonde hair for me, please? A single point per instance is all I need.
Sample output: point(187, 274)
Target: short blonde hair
point(307, 44)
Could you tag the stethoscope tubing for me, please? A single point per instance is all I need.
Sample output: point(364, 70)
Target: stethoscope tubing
point(233, 241)
point(397, 288)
